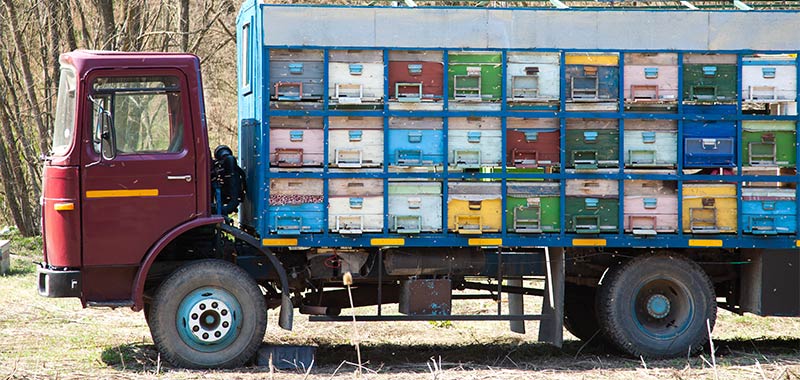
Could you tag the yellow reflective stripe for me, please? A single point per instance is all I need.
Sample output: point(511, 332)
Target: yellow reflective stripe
point(64, 206)
point(485, 241)
point(278, 242)
point(591, 59)
point(589, 242)
point(387, 241)
point(705, 243)
point(121, 193)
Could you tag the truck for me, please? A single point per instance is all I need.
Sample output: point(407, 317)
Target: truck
point(641, 164)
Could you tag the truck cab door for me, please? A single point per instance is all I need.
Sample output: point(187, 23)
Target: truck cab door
point(138, 176)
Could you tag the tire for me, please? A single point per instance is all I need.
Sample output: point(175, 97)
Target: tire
point(580, 318)
point(208, 314)
point(656, 306)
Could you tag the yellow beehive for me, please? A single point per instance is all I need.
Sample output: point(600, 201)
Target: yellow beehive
point(709, 208)
point(474, 207)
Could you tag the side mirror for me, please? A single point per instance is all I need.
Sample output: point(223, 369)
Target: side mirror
point(108, 138)
point(104, 135)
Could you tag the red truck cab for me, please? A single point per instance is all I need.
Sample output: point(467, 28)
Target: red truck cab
point(128, 171)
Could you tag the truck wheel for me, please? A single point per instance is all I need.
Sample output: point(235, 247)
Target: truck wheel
point(580, 318)
point(208, 314)
point(656, 306)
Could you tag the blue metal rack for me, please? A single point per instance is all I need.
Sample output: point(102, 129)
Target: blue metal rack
point(259, 109)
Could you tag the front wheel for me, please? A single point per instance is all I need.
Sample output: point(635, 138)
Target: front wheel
point(208, 314)
point(657, 306)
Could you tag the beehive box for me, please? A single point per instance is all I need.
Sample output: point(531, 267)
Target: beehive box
point(533, 143)
point(533, 80)
point(769, 211)
point(415, 207)
point(710, 78)
point(355, 142)
point(474, 80)
point(295, 206)
point(592, 81)
point(474, 207)
point(768, 143)
point(592, 206)
point(355, 205)
point(416, 80)
point(355, 78)
point(651, 143)
point(533, 207)
point(296, 141)
point(592, 143)
point(650, 207)
point(296, 78)
point(769, 84)
point(415, 142)
point(709, 208)
point(709, 144)
point(651, 81)
point(474, 142)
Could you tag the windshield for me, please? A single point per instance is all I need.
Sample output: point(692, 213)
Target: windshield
point(64, 125)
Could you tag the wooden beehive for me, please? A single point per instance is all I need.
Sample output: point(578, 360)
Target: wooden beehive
point(592, 143)
point(416, 79)
point(650, 207)
point(709, 208)
point(355, 205)
point(651, 81)
point(474, 80)
point(533, 142)
point(768, 143)
point(415, 207)
point(296, 141)
point(415, 142)
point(710, 78)
point(769, 211)
point(355, 142)
point(295, 78)
point(533, 80)
point(474, 207)
point(592, 81)
point(295, 205)
point(592, 206)
point(651, 143)
point(474, 142)
point(533, 207)
point(769, 84)
point(709, 144)
point(355, 78)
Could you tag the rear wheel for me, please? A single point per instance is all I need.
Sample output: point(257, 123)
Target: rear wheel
point(657, 306)
point(580, 318)
point(208, 314)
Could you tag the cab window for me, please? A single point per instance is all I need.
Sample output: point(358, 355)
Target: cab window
point(145, 112)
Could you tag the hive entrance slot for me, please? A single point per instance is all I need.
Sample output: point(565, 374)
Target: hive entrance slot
point(350, 224)
point(643, 224)
point(584, 88)
point(524, 87)
point(762, 93)
point(525, 158)
point(288, 224)
point(408, 92)
point(703, 220)
point(289, 157)
point(586, 224)
point(349, 158)
point(762, 153)
point(642, 157)
point(644, 92)
point(528, 219)
point(704, 93)
point(407, 224)
point(763, 224)
point(289, 91)
point(469, 224)
point(467, 159)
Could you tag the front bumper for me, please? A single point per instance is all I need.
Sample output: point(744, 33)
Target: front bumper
point(59, 283)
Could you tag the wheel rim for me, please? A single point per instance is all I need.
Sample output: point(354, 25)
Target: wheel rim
point(208, 319)
point(662, 308)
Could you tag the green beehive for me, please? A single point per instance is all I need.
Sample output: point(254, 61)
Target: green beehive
point(592, 143)
point(768, 143)
point(533, 207)
point(710, 78)
point(592, 206)
point(475, 77)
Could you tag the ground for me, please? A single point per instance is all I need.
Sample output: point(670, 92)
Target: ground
point(56, 338)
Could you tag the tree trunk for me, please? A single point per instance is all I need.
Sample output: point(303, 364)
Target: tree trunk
point(106, 10)
point(184, 25)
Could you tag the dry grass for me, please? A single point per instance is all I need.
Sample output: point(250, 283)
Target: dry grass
point(45, 338)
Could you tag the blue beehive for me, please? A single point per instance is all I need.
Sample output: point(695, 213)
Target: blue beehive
point(709, 144)
point(769, 211)
point(415, 142)
point(296, 206)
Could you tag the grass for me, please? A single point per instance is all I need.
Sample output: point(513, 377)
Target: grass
point(56, 338)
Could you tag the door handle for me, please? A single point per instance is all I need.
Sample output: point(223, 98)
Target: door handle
point(187, 177)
